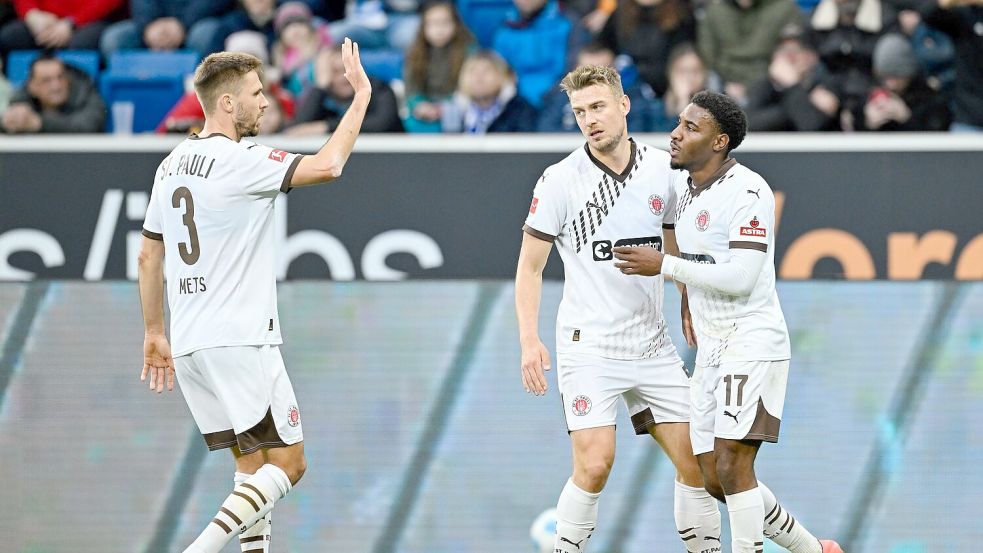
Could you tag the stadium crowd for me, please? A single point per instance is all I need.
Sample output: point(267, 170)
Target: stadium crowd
point(484, 66)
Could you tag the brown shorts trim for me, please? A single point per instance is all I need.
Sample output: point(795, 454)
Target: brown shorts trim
point(220, 440)
point(642, 420)
point(765, 427)
point(261, 436)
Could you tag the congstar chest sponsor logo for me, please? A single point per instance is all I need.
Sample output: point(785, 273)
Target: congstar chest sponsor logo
point(603, 250)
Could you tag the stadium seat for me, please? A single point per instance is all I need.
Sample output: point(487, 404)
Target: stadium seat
point(483, 17)
point(386, 65)
point(152, 81)
point(19, 63)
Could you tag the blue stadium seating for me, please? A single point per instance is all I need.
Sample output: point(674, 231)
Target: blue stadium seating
point(19, 63)
point(483, 17)
point(153, 81)
point(386, 65)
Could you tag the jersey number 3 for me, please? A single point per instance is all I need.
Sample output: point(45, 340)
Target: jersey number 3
point(189, 256)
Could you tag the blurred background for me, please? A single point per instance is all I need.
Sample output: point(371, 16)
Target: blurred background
point(396, 293)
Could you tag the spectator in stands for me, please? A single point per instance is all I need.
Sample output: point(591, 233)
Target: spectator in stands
point(167, 25)
point(793, 96)
point(963, 21)
point(433, 64)
point(76, 24)
point(188, 115)
point(533, 42)
point(847, 31)
point(902, 101)
point(557, 115)
point(56, 98)
point(736, 39)
point(647, 30)
point(6, 91)
point(934, 49)
point(300, 36)
point(253, 15)
point(687, 75)
point(486, 100)
point(321, 106)
point(379, 24)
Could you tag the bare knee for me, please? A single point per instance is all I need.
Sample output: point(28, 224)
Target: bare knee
point(735, 471)
point(296, 468)
point(593, 474)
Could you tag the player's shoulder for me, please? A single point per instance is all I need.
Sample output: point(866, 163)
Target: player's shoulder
point(563, 170)
point(647, 153)
point(747, 178)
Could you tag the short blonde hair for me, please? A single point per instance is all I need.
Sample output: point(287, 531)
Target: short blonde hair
point(587, 75)
point(222, 73)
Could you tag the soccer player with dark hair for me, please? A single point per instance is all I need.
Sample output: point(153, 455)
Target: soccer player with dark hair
point(725, 230)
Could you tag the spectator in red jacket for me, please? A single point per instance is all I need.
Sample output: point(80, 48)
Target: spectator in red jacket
point(58, 24)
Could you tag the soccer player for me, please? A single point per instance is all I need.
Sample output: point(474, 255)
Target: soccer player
point(611, 337)
point(211, 213)
point(725, 228)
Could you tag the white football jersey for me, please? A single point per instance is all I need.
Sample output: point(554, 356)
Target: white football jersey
point(212, 205)
point(736, 210)
point(586, 210)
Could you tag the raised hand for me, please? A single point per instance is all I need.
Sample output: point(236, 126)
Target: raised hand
point(354, 71)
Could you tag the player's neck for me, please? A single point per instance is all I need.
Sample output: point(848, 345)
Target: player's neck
point(702, 176)
point(214, 127)
point(617, 159)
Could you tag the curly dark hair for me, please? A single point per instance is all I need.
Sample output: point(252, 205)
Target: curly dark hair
point(728, 115)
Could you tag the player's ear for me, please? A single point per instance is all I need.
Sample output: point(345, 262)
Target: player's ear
point(720, 143)
point(625, 103)
point(225, 103)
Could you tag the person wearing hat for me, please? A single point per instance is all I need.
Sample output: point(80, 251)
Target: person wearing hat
point(902, 99)
point(794, 95)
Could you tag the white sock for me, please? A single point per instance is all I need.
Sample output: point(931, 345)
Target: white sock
point(256, 539)
point(576, 516)
point(248, 502)
point(782, 528)
point(747, 514)
point(697, 519)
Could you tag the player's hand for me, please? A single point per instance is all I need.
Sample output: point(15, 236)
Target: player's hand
point(688, 332)
point(354, 71)
point(157, 362)
point(644, 261)
point(535, 361)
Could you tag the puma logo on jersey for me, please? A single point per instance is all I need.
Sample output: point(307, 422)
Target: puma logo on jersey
point(728, 414)
point(755, 192)
point(603, 210)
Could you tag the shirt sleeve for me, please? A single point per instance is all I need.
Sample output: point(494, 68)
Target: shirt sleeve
point(151, 223)
point(669, 216)
point(548, 209)
point(753, 223)
point(267, 171)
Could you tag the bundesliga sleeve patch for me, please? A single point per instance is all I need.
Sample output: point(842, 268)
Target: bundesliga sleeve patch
point(755, 229)
point(278, 155)
point(535, 203)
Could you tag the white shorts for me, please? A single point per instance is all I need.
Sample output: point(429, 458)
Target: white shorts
point(655, 390)
point(741, 400)
point(240, 395)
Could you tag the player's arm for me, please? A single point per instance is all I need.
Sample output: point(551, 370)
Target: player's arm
point(157, 361)
point(736, 277)
point(528, 292)
point(327, 164)
point(672, 248)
